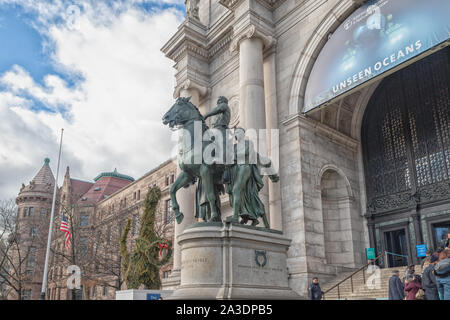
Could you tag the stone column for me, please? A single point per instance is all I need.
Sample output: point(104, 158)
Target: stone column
point(185, 196)
point(418, 235)
point(252, 111)
point(251, 83)
point(270, 87)
point(371, 229)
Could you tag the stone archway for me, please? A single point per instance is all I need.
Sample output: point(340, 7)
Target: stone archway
point(315, 44)
point(337, 223)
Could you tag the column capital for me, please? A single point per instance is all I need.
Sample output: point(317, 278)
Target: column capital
point(251, 31)
point(189, 84)
point(369, 216)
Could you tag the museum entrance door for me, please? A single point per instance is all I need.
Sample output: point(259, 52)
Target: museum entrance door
point(396, 245)
point(440, 231)
point(405, 139)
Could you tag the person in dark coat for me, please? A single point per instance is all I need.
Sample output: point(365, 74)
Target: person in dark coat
point(412, 286)
point(442, 272)
point(396, 290)
point(429, 283)
point(314, 291)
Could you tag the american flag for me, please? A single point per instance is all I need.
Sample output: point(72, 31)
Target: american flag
point(65, 228)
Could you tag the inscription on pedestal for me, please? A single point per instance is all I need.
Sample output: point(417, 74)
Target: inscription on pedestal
point(193, 262)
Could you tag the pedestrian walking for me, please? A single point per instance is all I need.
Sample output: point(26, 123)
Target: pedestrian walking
point(396, 290)
point(314, 290)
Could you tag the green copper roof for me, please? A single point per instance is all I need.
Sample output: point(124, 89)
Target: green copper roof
point(46, 161)
point(114, 174)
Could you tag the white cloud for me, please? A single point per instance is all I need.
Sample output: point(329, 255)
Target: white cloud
point(114, 113)
point(54, 94)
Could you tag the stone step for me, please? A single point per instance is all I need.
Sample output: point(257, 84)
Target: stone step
point(360, 289)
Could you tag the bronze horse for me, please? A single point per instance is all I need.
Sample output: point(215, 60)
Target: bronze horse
point(183, 115)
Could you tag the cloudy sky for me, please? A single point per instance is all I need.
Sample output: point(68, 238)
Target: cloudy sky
point(94, 68)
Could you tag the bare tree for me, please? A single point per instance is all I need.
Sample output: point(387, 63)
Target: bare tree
point(75, 253)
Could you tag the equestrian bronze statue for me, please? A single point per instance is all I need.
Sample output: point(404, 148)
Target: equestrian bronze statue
point(208, 158)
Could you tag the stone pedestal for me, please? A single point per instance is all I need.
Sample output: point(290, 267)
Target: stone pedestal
point(231, 261)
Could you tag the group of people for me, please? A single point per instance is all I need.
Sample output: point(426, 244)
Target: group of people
point(433, 284)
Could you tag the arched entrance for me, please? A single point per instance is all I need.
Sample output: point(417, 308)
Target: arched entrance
point(337, 222)
point(405, 138)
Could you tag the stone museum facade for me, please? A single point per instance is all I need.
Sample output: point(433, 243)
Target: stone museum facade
point(362, 165)
point(368, 169)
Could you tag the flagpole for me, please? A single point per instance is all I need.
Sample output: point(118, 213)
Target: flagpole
point(49, 239)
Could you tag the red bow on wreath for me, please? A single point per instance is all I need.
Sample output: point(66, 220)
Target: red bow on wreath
point(162, 246)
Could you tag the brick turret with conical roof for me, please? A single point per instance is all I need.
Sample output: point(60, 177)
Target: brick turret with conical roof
point(34, 203)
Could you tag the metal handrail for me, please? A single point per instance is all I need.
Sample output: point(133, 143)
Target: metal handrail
point(351, 277)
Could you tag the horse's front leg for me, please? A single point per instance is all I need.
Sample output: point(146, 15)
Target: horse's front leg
point(182, 180)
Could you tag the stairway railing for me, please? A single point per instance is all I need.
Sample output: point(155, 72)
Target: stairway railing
point(350, 277)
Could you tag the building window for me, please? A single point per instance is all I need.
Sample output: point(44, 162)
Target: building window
point(84, 220)
point(25, 212)
point(105, 291)
point(108, 235)
point(83, 245)
point(139, 195)
point(168, 212)
point(33, 232)
point(44, 211)
point(31, 261)
point(134, 196)
point(26, 295)
point(172, 178)
point(30, 212)
point(59, 293)
point(167, 181)
point(94, 291)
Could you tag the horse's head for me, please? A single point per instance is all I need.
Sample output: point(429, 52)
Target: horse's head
point(181, 112)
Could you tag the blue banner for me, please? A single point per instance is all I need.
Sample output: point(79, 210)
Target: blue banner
point(377, 37)
point(421, 250)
